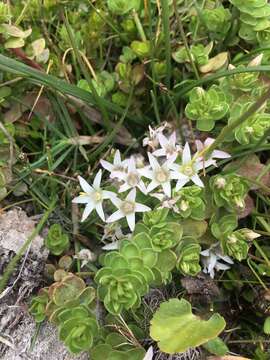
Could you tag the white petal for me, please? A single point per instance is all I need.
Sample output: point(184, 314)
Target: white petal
point(141, 208)
point(220, 266)
point(181, 183)
point(159, 152)
point(124, 187)
point(208, 142)
point(205, 252)
point(149, 355)
point(84, 185)
point(116, 201)
point(117, 158)
point(112, 246)
point(115, 216)
point(100, 211)
point(131, 164)
point(87, 211)
point(199, 145)
point(97, 180)
point(108, 166)
point(197, 181)
point(186, 155)
point(153, 162)
point(167, 188)
point(108, 194)
point(131, 221)
point(153, 184)
point(173, 138)
point(146, 172)
point(177, 175)
point(142, 187)
point(118, 175)
point(82, 199)
point(218, 154)
point(131, 195)
point(162, 140)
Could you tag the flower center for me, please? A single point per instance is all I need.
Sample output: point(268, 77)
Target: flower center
point(187, 170)
point(162, 175)
point(184, 205)
point(133, 179)
point(128, 207)
point(249, 129)
point(220, 183)
point(97, 196)
point(170, 149)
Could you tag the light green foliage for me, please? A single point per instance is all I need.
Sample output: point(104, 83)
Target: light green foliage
point(141, 48)
point(176, 328)
point(206, 106)
point(67, 304)
point(57, 241)
point(145, 260)
point(103, 84)
point(233, 243)
point(254, 19)
point(242, 82)
point(38, 305)
point(121, 7)
point(216, 346)
point(266, 325)
point(115, 347)
point(190, 202)
point(77, 328)
point(229, 191)
point(188, 261)
point(253, 128)
point(217, 21)
point(199, 54)
point(5, 15)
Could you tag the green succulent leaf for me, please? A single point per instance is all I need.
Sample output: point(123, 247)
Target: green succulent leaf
point(176, 328)
point(38, 305)
point(56, 241)
point(121, 7)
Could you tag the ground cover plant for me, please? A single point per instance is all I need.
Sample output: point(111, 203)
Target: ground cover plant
point(139, 131)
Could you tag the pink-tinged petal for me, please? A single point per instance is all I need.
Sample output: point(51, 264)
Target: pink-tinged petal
point(115, 216)
point(186, 155)
point(108, 194)
point(197, 181)
point(116, 201)
point(159, 152)
point(167, 188)
point(146, 172)
point(82, 199)
point(208, 142)
point(199, 145)
point(100, 211)
point(106, 165)
point(131, 221)
point(97, 180)
point(153, 184)
point(117, 158)
point(181, 183)
point(87, 211)
point(162, 140)
point(172, 138)
point(170, 160)
point(84, 185)
point(124, 187)
point(220, 154)
point(131, 195)
point(118, 175)
point(204, 164)
point(141, 208)
point(153, 162)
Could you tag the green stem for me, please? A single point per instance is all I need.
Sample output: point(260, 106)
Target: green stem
point(184, 39)
point(167, 39)
point(14, 261)
point(139, 26)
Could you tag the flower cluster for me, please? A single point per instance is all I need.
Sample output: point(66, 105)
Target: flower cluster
point(169, 169)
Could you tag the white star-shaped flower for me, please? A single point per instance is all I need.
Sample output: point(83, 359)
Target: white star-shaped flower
point(211, 260)
point(93, 196)
point(131, 178)
point(169, 148)
point(127, 208)
point(152, 139)
point(189, 168)
point(160, 175)
point(216, 154)
point(116, 167)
